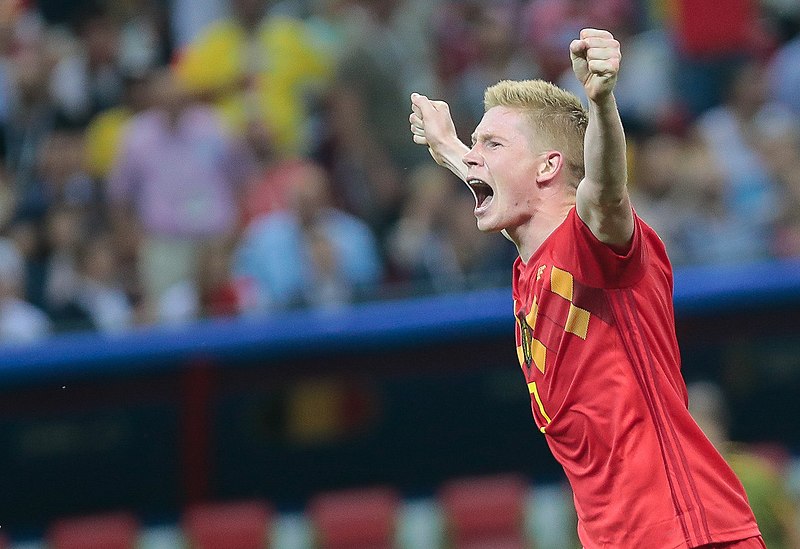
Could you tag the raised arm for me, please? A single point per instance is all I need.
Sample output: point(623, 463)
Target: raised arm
point(602, 200)
point(432, 125)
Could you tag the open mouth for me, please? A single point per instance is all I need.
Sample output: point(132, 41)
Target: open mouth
point(482, 191)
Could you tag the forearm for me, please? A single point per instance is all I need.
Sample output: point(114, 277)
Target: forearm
point(604, 152)
point(602, 199)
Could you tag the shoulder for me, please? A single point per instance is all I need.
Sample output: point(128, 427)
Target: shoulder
point(597, 264)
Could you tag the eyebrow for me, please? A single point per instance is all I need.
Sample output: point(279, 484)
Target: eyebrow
point(487, 136)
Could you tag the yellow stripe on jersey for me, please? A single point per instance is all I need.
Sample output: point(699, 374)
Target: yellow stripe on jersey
point(535, 392)
point(561, 283)
point(539, 354)
point(577, 321)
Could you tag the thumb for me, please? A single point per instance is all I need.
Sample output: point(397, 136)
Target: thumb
point(577, 49)
point(421, 105)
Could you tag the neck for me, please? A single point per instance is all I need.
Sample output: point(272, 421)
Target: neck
point(530, 236)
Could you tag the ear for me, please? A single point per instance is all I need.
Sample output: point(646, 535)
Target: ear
point(549, 167)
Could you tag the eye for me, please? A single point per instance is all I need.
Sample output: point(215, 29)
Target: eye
point(492, 144)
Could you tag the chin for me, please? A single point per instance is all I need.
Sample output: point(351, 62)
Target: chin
point(487, 227)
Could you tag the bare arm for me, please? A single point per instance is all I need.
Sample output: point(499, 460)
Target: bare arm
point(602, 200)
point(432, 125)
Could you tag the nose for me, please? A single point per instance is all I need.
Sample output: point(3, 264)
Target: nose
point(471, 158)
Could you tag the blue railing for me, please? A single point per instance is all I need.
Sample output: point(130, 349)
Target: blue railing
point(698, 290)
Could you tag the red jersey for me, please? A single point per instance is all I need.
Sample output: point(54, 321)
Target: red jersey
point(596, 342)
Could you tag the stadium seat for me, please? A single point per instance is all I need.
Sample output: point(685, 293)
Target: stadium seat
point(118, 530)
point(485, 511)
point(228, 525)
point(362, 518)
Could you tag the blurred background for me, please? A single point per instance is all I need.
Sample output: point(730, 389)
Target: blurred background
point(236, 297)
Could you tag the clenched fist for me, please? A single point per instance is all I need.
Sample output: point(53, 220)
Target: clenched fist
point(432, 125)
point(595, 60)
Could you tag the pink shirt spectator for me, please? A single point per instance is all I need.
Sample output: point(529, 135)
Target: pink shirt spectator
point(181, 181)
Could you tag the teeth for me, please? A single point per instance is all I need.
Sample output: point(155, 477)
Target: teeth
point(482, 191)
point(478, 184)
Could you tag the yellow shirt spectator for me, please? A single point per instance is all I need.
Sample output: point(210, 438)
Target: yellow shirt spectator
point(266, 76)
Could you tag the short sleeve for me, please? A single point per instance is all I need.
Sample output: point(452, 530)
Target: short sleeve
point(596, 264)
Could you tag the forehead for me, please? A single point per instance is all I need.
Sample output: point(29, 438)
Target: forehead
point(503, 122)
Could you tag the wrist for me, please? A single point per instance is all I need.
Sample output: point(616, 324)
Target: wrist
point(452, 150)
point(603, 102)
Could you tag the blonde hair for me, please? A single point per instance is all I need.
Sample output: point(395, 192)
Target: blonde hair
point(557, 117)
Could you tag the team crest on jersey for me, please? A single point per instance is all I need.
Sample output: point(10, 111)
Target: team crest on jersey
point(526, 337)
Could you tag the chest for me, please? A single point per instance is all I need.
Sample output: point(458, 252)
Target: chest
point(564, 331)
point(555, 314)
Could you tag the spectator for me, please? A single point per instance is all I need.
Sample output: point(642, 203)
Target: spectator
point(778, 144)
point(98, 292)
point(334, 87)
point(367, 115)
point(415, 246)
point(25, 231)
point(435, 242)
point(492, 31)
point(61, 177)
point(88, 77)
point(104, 133)
point(33, 115)
point(454, 49)
point(333, 26)
point(661, 195)
point(58, 211)
point(145, 37)
point(214, 291)
point(271, 181)
point(174, 206)
point(728, 130)
point(256, 66)
point(7, 85)
point(716, 232)
point(64, 231)
point(787, 237)
point(311, 254)
point(784, 72)
point(20, 322)
point(189, 18)
point(712, 41)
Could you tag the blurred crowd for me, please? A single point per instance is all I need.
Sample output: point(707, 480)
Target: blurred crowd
point(163, 161)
